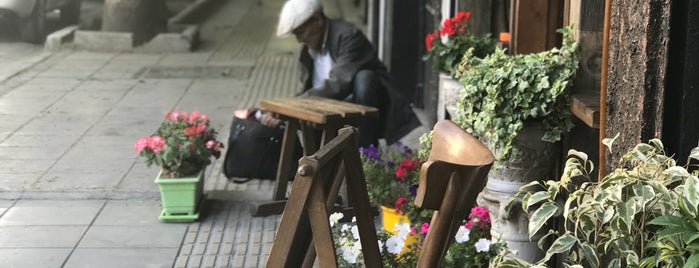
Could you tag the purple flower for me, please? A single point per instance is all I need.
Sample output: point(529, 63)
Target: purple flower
point(391, 164)
point(413, 190)
point(371, 153)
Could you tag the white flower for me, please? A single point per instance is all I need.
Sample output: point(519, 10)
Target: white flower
point(354, 219)
point(344, 228)
point(355, 232)
point(462, 235)
point(395, 244)
point(380, 246)
point(335, 217)
point(350, 254)
point(483, 245)
point(402, 229)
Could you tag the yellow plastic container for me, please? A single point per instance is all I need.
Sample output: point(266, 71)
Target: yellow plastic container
point(391, 218)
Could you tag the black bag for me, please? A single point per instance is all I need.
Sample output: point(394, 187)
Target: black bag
point(253, 151)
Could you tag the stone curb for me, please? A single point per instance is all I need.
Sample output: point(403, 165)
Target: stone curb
point(60, 37)
point(181, 37)
point(171, 42)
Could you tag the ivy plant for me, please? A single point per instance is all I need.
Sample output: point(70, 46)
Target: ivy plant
point(645, 214)
point(503, 91)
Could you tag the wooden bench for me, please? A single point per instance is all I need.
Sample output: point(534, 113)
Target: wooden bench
point(310, 115)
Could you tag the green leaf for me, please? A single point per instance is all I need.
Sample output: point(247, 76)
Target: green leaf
point(644, 192)
point(562, 244)
point(615, 263)
point(590, 254)
point(541, 216)
point(657, 143)
point(667, 220)
point(691, 195)
point(537, 198)
point(627, 211)
point(631, 257)
point(694, 154)
point(692, 261)
point(609, 141)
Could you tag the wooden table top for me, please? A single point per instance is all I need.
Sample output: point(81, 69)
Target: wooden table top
point(316, 109)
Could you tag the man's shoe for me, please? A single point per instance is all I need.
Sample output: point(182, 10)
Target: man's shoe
point(240, 180)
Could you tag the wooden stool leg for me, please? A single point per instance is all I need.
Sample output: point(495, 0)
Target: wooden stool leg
point(337, 177)
point(287, 154)
point(293, 218)
point(322, 236)
point(356, 187)
point(308, 135)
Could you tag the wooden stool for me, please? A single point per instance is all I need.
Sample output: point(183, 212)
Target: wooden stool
point(311, 114)
point(310, 202)
point(455, 172)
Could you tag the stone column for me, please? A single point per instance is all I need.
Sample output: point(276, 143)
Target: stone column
point(143, 18)
point(533, 162)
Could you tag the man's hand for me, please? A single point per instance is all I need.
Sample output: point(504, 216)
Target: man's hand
point(267, 119)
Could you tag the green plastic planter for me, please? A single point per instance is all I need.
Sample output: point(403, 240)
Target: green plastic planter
point(181, 197)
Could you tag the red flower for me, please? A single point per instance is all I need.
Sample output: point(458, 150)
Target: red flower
point(451, 26)
point(400, 173)
point(463, 16)
point(429, 39)
point(399, 203)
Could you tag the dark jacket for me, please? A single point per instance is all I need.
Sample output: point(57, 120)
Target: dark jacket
point(352, 52)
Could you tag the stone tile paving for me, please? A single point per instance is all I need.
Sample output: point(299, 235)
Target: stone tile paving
point(68, 129)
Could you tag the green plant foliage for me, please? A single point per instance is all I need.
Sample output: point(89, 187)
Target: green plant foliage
point(182, 145)
point(502, 91)
point(645, 214)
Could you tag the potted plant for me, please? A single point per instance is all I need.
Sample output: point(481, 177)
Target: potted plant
point(446, 46)
point(392, 176)
point(518, 105)
point(182, 146)
point(644, 214)
point(472, 245)
point(502, 92)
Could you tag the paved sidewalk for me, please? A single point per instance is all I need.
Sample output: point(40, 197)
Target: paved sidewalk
point(73, 192)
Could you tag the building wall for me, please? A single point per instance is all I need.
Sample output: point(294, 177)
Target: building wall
point(638, 52)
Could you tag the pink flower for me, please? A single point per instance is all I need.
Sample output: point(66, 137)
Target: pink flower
point(201, 128)
point(210, 144)
point(480, 213)
point(399, 202)
point(156, 143)
point(194, 117)
point(424, 228)
point(174, 115)
point(218, 146)
point(183, 117)
point(205, 118)
point(141, 144)
point(469, 224)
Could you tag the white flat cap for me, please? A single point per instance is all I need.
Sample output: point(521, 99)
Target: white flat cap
point(294, 13)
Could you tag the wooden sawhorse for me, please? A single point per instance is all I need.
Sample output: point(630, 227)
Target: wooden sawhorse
point(310, 203)
point(310, 114)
